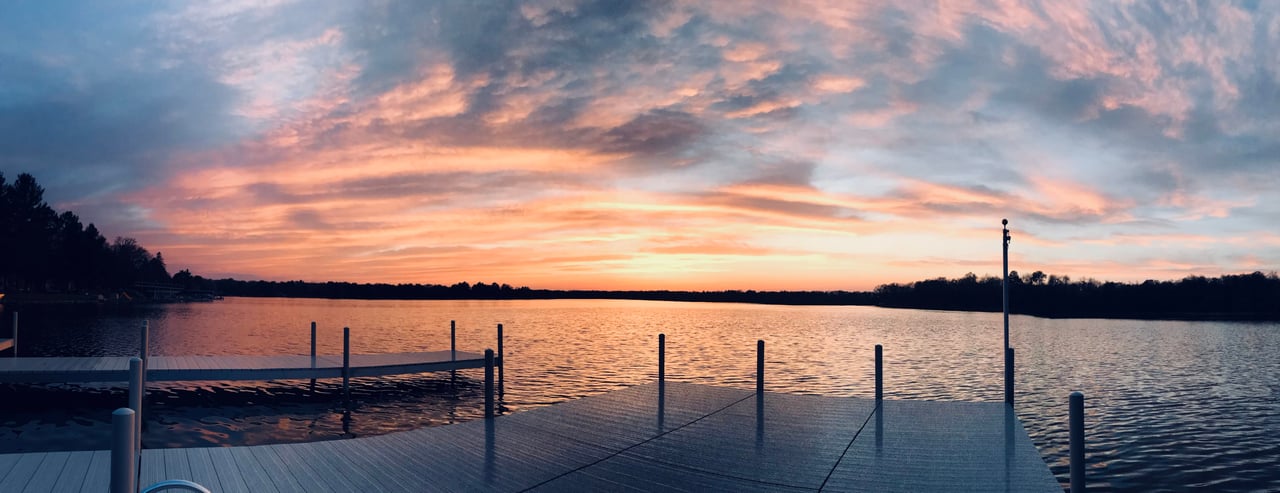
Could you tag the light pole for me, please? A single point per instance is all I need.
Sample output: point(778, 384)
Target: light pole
point(1004, 281)
point(1004, 284)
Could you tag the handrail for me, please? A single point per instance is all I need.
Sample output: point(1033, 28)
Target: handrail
point(180, 484)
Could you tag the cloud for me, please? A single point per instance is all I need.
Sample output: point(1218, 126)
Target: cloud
point(656, 132)
point(665, 144)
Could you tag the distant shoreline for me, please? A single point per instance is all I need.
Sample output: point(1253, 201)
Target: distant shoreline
point(1232, 297)
point(685, 297)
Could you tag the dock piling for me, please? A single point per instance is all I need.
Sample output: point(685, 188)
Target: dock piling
point(1076, 428)
point(662, 360)
point(123, 456)
point(313, 352)
point(142, 346)
point(453, 350)
point(760, 367)
point(346, 363)
point(142, 380)
point(879, 373)
point(488, 383)
point(500, 361)
point(1008, 376)
point(15, 334)
point(137, 391)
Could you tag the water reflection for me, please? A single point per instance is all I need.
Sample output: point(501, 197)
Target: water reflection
point(879, 429)
point(488, 451)
point(662, 406)
point(759, 422)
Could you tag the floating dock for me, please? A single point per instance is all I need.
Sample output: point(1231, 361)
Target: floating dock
point(655, 437)
point(191, 368)
point(222, 368)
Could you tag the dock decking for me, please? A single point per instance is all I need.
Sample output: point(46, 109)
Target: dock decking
point(190, 368)
point(685, 438)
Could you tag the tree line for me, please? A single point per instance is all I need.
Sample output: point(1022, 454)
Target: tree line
point(44, 250)
point(1254, 296)
point(47, 251)
point(495, 291)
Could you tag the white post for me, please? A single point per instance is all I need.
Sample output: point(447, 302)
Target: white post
point(137, 391)
point(15, 334)
point(501, 362)
point(123, 455)
point(453, 340)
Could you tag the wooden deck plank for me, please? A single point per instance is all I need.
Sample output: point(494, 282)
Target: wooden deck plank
point(98, 478)
point(621, 473)
point(281, 476)
point(108, 364)
point(22, 471)
point(508, 456)
point(229, 476)
point(791, 440)
point(700, 438)
point(622, 418)
point(176, 464)
point(356, 466)
point(330, 469)
point(384, 463)
point(308, 477)
point(231, 367)
point(153, 467)
point(956, 446)
point(72, 476)
point(202, 468)
point(440, 464)
point(161, 362)
point(47, 474)
point(7, 461)
point(254, 474)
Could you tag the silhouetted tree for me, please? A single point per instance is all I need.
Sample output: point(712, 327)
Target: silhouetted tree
point(40, 248)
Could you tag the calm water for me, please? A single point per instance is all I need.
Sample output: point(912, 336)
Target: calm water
point(1171, 405)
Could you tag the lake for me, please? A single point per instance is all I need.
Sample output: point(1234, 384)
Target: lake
point(1170, 406)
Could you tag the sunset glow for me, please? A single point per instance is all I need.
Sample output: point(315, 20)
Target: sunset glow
point(656, 145)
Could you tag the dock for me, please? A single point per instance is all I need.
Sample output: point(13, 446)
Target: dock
point(235, 367)
point(192, 368)
point(663, 436)
point(655, 437)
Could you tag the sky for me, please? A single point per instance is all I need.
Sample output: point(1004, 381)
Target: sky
point(656, 144)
